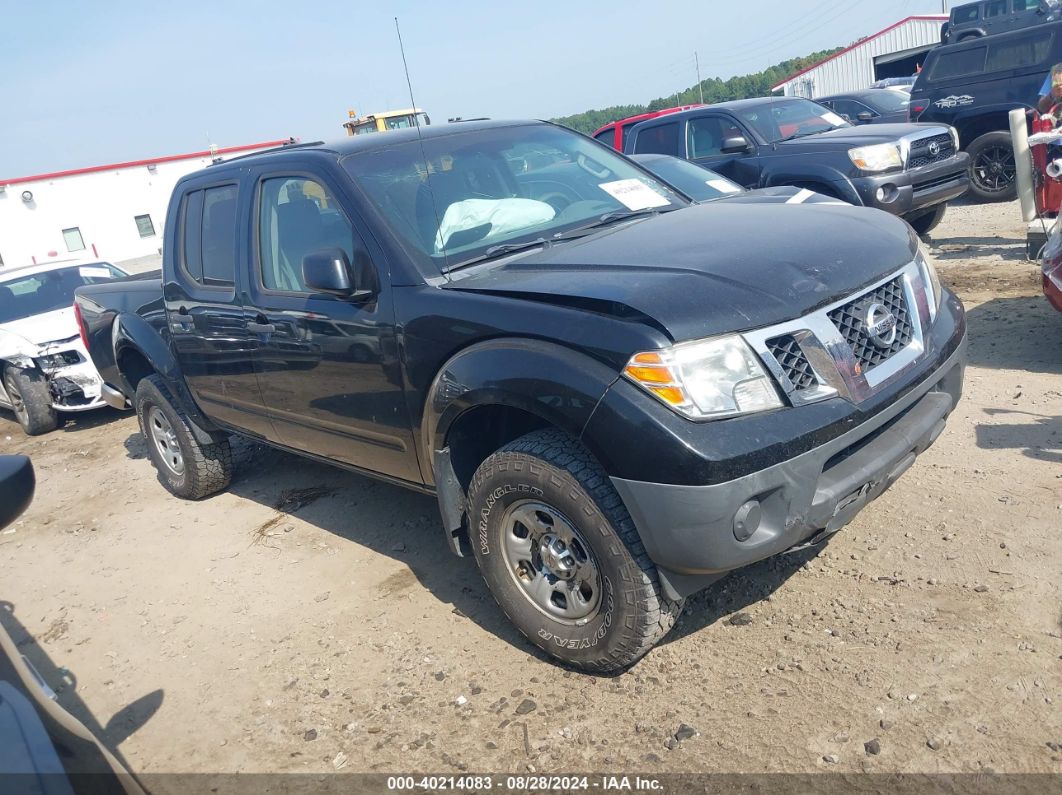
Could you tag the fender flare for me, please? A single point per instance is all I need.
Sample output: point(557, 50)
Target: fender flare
point(496, 372)
point(130, 332)
point(829, 178)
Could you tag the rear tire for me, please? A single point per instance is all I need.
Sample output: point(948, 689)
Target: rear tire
point(992, 168)
point(927, 222)
point(187, 468)
point(562, 557)
point(30, 400)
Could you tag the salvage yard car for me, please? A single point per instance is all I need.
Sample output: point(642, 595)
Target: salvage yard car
point(909, 170)
point(44, 367)
point(616, 396)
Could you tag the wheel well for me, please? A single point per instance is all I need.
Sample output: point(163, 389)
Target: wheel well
point(972, 129)
point(817, 187)
point(134, 366)
point(480, 431)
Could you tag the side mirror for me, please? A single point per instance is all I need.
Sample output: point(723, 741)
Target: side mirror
point(865, 116)
point(16, 487)
point(328, 271)
point(735, 145)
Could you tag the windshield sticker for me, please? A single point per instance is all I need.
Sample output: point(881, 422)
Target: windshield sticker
point(722, 185)
point(94, 273)
point(833, 119)
point(634, 194)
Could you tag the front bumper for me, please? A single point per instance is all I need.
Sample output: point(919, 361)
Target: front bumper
point(908, 193)
point(76, 387)
point(692, 532)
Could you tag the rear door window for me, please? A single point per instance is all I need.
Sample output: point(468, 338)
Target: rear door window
point(965, 14)
point(606, 136)
point(995, 8)
point(659, 140)
point(208, 236)
point(959, 63)
point(1016, 53)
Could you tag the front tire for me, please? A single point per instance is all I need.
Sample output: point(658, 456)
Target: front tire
point(927, 222)
point(28, 392)
point(993, 171)
point(562, 557)
point(187, 468)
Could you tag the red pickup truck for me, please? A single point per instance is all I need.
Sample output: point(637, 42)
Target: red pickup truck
point(614, 133)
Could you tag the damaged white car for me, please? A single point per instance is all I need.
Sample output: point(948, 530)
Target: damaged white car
point(44, 367)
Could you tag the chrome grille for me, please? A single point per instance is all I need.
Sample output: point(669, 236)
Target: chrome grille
point(849, 319)
point(920, 155)
point(794, 363)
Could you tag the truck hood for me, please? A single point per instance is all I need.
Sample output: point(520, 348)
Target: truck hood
point(864, 135)
point(31, 335)
point(709, 269)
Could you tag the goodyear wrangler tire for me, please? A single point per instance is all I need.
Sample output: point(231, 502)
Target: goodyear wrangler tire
point(185, 467)
point(562, 557)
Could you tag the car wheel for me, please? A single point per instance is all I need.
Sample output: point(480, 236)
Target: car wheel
point(562, 557)
point(30, 400)
point(186, 467)
point(992, 167)
point(927, 222)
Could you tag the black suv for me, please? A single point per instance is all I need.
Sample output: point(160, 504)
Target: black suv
point(988, 17)
point(910, 170)
point(616, 396)
point(974, 85)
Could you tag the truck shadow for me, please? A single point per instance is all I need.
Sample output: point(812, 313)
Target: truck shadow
point(1040, 438)
point(738, 590)
point(121, 726)
point(72, 422)
point(389, 520)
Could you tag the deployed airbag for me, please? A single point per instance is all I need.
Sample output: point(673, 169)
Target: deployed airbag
point(502, 216)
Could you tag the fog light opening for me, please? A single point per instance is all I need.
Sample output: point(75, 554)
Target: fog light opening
point(886, 194)
point(747, 520)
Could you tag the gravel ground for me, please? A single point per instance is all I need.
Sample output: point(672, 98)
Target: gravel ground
point(312, 620)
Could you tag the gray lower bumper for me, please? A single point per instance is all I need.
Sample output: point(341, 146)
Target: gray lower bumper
point(113, 398)
point(690, 533)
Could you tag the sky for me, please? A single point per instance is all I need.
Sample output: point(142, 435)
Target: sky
point(87, 83)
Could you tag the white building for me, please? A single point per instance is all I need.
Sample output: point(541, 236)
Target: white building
point(896, 51)
point(113, 212)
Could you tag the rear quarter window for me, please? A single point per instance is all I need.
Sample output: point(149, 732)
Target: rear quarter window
point(1016, 53)
point(959, 63)
point(662, 139)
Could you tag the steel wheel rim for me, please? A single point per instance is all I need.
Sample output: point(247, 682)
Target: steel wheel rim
point(550, 562)
point(165, 440)
point(18, 405)
point(994, 169)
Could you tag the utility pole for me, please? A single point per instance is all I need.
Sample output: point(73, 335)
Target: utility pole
point(700, 88)
point(944, 6)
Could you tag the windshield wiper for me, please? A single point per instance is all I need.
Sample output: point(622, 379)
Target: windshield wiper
point(499, 250)
point(804, 134)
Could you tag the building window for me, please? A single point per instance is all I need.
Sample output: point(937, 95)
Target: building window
point(73, 239)
point(144, 225)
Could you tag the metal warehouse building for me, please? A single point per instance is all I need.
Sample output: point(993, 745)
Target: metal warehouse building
point(113, 212)
point(894, 52)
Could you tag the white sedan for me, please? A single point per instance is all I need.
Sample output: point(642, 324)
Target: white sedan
point(44, 367)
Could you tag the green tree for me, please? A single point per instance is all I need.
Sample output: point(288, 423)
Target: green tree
point(715, 90)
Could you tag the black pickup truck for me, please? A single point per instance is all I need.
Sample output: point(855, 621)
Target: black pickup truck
point(617, 396)
point(910, 170)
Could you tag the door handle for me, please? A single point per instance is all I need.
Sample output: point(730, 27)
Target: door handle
point(261, 328)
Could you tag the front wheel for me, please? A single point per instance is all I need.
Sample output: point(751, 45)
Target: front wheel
point(30, 400)
point(927, 222)
point(562, 557)
point(185, 467)
point(992, 167)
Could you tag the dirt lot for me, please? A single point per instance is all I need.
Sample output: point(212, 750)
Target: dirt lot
point(312, 620)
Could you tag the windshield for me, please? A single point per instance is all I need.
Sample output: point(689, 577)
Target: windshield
point(888, 101)
point(697, 182)
point(45, 292)
point(455, 198)
point(789, 118)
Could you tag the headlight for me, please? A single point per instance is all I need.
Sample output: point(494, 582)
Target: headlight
point(707, 379)
point(880, 157)
point(932, 283)
point(54, 361)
